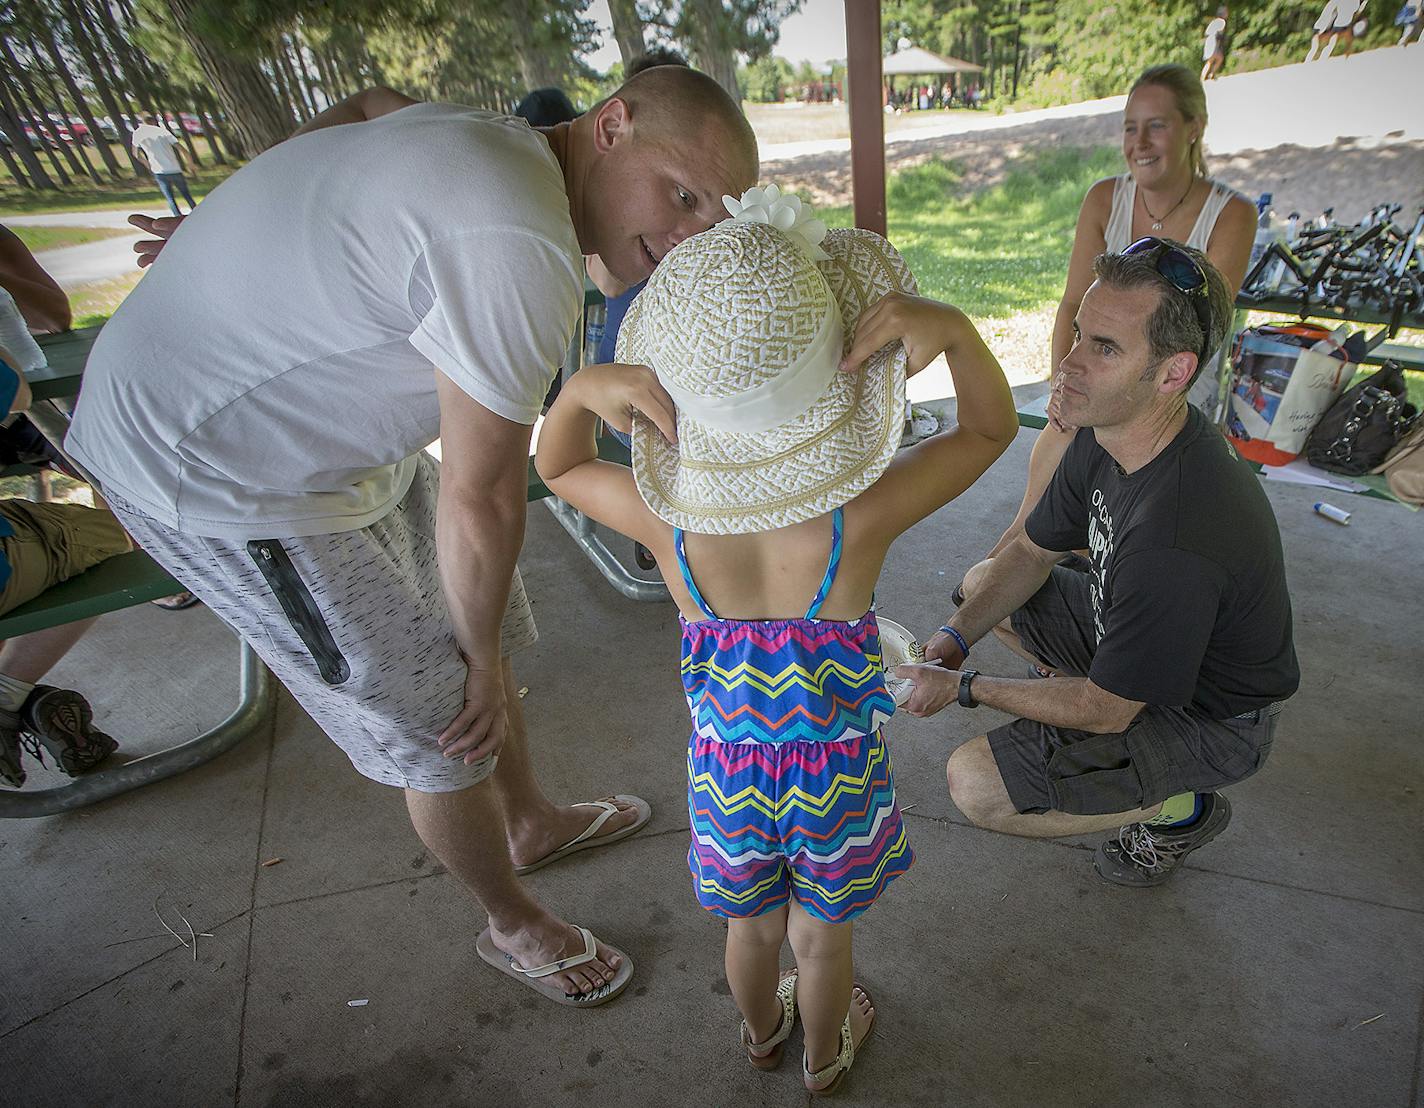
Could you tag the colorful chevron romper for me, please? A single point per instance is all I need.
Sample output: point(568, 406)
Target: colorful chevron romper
point(789, 783)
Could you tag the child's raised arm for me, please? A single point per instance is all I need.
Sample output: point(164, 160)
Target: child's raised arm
point(567, 458)
point(924, 478)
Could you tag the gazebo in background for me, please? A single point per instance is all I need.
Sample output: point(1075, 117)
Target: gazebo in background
point(916, 61)
point(865, 98)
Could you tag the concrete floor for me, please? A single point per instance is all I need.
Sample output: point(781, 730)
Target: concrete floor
point(1285, 967)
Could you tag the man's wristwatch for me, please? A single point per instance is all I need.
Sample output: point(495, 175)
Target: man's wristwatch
point(966, 696)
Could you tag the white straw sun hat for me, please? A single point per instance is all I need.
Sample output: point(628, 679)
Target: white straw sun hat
point(745, 325)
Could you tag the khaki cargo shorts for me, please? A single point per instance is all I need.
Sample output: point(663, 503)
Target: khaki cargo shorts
point(53, 542)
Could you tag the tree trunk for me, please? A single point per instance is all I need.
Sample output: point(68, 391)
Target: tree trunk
point(187, 141)
point(148, 87)
point(215, 127)
point(627, 30)
point(41, 121)
point(124, 89)
point(84, 43)
point(715, 56)
point(17, 107)
point(11, 164)
point(284, 94)
point(247, 99)
point(77, 147)
point(282, 80)
point(210, 134)
point(106, 154)
point(324, 77)
point(299, 52)
point(295, 74)
point(11, 124)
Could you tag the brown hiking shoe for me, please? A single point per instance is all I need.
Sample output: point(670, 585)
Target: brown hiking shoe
point(63, 723)
point(11, 771)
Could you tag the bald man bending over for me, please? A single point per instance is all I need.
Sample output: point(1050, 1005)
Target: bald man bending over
point(395, 272)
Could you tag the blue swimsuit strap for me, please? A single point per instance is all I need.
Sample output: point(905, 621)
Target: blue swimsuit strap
point(827, 581)
point(831, 567)
point(687, 575)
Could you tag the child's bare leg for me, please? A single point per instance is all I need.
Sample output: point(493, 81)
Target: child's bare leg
point(825, 973)
point(753, 959)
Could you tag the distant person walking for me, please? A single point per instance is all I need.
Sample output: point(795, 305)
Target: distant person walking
point(1336, 22)
point(1214, 47)
point(165, 158)
point(1410, 18)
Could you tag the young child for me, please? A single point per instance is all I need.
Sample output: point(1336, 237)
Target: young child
point(763, 482)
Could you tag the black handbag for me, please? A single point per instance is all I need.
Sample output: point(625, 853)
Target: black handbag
point(1363, 426)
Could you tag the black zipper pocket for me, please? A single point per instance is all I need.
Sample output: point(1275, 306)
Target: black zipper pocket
point(301, 610)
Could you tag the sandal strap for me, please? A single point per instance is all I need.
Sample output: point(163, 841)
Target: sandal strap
point(842, 1062)
point(786, 993)
point(609, 811)
point(573, 961)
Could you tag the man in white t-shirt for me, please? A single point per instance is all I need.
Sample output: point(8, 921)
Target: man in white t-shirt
point(165, 157)
point(256, 413)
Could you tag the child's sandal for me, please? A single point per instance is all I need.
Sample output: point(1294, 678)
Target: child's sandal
point(825, 1081)
point(767, 1055)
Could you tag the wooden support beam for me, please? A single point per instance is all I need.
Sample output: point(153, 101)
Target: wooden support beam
point(867, 116)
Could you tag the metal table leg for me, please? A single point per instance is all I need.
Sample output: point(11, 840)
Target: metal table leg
point(582, 529)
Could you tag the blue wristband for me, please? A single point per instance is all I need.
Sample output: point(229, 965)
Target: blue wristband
point(957, 637)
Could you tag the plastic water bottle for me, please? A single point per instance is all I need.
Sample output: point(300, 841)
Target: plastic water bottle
point(596, 321)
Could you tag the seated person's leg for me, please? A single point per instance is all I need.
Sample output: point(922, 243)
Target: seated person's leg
point(54, 542)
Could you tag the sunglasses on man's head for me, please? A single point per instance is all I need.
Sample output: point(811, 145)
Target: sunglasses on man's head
point(1183, 273)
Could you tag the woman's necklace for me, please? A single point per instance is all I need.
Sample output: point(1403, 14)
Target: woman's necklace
point(1158, 221)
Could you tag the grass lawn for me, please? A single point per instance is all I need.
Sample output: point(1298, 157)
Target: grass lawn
point(997, 252)
point(94, 303)
point(130, 192)
point(53, 238)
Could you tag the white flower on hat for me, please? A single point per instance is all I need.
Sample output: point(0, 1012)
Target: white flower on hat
point(766, 204)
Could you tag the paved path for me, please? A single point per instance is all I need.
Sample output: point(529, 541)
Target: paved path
point(75, 266)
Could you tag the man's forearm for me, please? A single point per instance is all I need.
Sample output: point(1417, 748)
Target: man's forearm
point(44, 306)
point(1056, 701)
point(1011, 578)
point(477, 542)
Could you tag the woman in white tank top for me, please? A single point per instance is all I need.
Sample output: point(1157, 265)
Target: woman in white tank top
point(1165, 192)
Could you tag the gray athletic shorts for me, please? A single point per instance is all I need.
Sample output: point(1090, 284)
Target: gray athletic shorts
point(1163, 752)
point(354, 624)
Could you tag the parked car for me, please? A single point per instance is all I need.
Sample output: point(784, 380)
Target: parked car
point(37, 142)
point(191, 123)
point(79, 129)
point(107, 128)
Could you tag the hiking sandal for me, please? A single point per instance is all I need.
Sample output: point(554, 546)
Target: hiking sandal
point(767, 1055)
point(836, 1071)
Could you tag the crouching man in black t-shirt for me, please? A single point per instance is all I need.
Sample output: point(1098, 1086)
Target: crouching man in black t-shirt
point(1171, 654)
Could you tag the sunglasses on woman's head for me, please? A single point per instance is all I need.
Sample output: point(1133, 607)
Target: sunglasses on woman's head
point(1183, 273)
